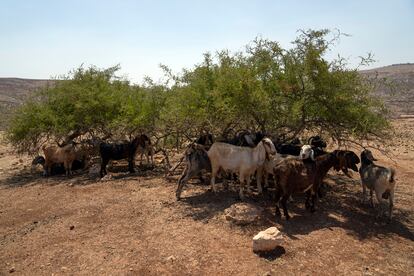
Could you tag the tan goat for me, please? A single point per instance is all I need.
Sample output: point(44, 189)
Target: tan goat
point(56, 155)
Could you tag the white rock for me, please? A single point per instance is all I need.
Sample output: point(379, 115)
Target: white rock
point(243, 213)
point(267, 240)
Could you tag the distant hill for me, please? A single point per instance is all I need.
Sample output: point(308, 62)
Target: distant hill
point(13, 91)
point(400, 98)
point(399, 95)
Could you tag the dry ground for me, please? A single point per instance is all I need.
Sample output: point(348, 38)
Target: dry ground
point(132, 225)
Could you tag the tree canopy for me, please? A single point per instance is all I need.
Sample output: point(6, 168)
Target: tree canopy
point(265, 87)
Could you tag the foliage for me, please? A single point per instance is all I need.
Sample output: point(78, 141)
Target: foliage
point(280, 91)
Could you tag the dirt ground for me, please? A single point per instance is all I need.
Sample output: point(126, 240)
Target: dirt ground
point(133, 225)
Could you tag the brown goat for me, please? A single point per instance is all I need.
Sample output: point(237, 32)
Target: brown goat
point(347, 160)
point(301, 176)
point(56, 155)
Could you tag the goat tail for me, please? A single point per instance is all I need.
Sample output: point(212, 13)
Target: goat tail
point(391, 178)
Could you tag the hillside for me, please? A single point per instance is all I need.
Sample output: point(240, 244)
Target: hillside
point(399, 95)
point(13, 91)
point(399, 98)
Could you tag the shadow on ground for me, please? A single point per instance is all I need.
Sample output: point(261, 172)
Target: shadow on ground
point(341, 207)
point(79, 177)
point(278, 252)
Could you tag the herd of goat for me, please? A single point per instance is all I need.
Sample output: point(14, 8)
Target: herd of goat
point(292, 168)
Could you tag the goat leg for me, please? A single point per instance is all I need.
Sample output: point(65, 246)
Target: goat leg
point(313, 200)
point(285, 211)
point(391, 202)
point(181, 183)
point(364, 193)
point(68, 167)
point(213, 179)
point(307, 203)
point(131, 165)
point(371, 199)
point(277, 198)
point(103, 172)
point(243, 182)
point(381, 203)
point(200, 177)
point(259, 177)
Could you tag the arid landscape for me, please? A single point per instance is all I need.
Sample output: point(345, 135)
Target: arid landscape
point(207, 138)
point(131, 224)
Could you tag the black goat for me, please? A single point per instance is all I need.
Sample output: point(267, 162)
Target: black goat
point(317, 141)
point(117, 151)
point(293, 148)
point(347, 160)
point(246, 139)
point(206, 140)
point(287, 148)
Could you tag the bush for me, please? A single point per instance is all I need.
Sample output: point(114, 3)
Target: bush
point(268, 88)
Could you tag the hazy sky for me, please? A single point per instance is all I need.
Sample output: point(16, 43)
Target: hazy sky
point(40, 39)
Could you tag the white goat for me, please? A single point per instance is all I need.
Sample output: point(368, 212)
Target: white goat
point(241, 160)
point(378, 179)
point(306, 151)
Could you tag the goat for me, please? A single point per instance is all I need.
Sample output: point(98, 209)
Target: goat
point(58, 168)
point(263, 172)
point(197, 161)
point(146, 148)
point(206, 140)
point(270, 163)
point(57, 155)
point(294, 147)
point(117, 151)
point(302, 176)
point(347, 160)
point(317, 141)
point(378, 179)
point(241, 160)
point(246, 139)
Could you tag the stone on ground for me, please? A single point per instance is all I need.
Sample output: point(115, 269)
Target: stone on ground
point(267, 240)
point(243, 213)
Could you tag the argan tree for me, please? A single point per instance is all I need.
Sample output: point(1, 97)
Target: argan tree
point(285, 92)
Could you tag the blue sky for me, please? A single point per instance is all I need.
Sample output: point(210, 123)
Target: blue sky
point(40, 39)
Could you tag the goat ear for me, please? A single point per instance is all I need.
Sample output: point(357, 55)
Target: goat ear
point(249, 140)
point(312, 155)
point(371, 157)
